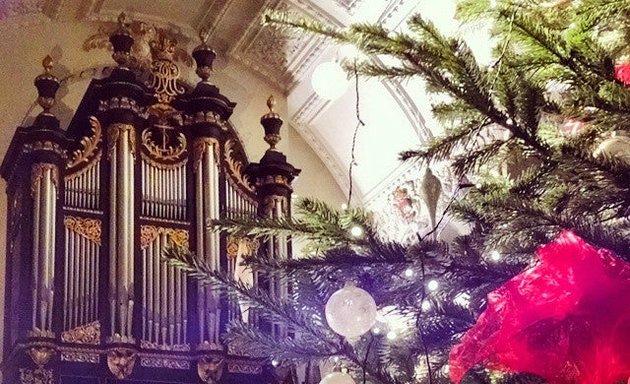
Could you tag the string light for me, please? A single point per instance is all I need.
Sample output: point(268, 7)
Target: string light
point(275, 362)
point(408, 272)
point(425, 306)
point(433, 285)
point(344, 206)
point(391, 335)
point(376, 331)
point(356, 231)
point(495, 256)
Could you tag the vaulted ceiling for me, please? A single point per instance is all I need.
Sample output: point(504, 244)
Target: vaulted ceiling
point(396, 114)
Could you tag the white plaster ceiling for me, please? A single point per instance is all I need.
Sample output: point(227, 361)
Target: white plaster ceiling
point(396, 114)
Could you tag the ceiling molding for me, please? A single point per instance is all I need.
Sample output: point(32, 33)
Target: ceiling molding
point(390, 11)
point(278, 55)
point(350, 6)
point(408, 107)
point(13, 8)
point(212, 16)
point(331, 162)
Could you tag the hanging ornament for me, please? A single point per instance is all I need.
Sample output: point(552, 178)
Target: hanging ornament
point(351, 311)
point(617, 146)
point(622, 73)
point(329, 80)
point(430, 191)
point(572, 127)
point(337, 378)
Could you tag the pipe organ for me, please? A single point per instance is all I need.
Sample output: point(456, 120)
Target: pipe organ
point(144, 164)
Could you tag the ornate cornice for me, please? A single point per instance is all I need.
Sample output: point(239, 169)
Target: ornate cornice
point(89, 144)
point(86, 227)
point(148, 233)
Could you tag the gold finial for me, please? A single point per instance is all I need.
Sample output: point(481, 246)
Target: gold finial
point(47, 63)
point(122, 19)
point(271, 103)
point(204, 34)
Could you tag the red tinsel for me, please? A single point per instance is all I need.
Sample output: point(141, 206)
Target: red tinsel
point(567, 319)
point(622, 73)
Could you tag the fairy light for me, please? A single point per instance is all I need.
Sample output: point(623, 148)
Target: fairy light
point(391, 335)
point(409, 272)
point(433, 285)
point(495, 256)
point(275, 362)
point(356, 231)
point(425, 306)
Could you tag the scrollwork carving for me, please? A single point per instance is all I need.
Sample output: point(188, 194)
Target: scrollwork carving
point(86, 334)
point(199, 148)
point(148, 233)
point(89, 144)
point(164, 152)
point(164, 362)
point(236, 166)
point(36, 376)
point(88, 228)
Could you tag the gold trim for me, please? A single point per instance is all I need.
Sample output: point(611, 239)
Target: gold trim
point(236, 166)
point(121, 361)
point(210, 368)
point(81, 357)
point(95, 162)
point(85, 334)
point(243, 246)
point(89, 143)
point(88, 228)
point(206, 117)
point(199, 148)
point(37, 173)
point(163, 362)
point(148, 233)
point(147, 159)
point(113, 133)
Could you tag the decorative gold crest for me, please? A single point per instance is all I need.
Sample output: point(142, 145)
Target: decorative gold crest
point(199, 148)
point(114, 132)
point(41, 355)
point(164, 151)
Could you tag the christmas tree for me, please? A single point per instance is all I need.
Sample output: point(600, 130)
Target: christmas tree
point(540, 142)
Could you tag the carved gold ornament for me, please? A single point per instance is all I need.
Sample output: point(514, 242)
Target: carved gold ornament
point(89, 144)
point(148, 233)
point(85, 334)
point(164, 362)
point(121, 362)
point(80, 357)
point(236, 166)
point(41, 355)
point(243, 246)
point(164, 152)
point(88, 228)
point(210, 369)
point(113, 133)
point(37, 174)
point(36, 376)
point(199, 148)
point(143, 34)
point(206, 117)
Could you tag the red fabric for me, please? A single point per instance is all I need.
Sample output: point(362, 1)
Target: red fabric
point(567, 319)
point(622, 73)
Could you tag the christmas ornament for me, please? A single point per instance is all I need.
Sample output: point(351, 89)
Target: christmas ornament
point(351, 311)
point(566, 319)
point(572, 127)
point(430, 191)
point(337, 378)
point(617, 146)
point(622, 73)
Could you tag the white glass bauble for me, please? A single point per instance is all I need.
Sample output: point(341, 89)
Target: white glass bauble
point(617, 146)
point(351, 311)
point(337, 378)
point(329, 80)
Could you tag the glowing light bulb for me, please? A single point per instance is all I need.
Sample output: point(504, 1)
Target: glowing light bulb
point(329, 80)
point(495, 256)
point(433, 285)
point(344, 206)
point(356, 231)
point(275, 362)
point(425, 306)
point(391, 335)
point(409, 272)
point(376, 331)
